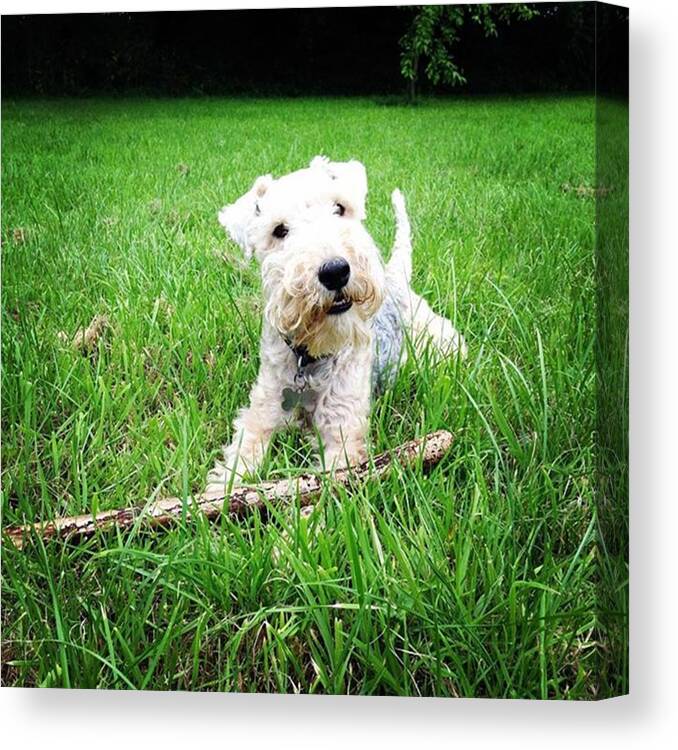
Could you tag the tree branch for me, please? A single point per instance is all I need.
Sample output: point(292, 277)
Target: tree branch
point(161, 513)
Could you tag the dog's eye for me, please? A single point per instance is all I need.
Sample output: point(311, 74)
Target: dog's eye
point(280, 231)
point(339, 209)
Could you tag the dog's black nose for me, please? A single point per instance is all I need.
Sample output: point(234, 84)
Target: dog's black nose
point(334, 274)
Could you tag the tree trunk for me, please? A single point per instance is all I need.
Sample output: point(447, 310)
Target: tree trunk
point(412, 88)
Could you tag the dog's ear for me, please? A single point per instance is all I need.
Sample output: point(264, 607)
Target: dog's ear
point(351, 179)
point(235, 218)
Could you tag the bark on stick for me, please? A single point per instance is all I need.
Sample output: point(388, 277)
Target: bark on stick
point(429, 450)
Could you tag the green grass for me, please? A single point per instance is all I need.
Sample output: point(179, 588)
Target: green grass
point(480, 579)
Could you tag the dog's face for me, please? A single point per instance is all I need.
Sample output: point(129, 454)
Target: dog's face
point(322, 275)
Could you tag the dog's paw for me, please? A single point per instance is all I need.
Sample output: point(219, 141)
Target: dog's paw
point(332, 461)
point(222, 479)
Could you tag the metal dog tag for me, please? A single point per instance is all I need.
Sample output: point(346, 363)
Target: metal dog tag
point(293, 398)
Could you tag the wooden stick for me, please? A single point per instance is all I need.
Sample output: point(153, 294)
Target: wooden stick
point(241, 500)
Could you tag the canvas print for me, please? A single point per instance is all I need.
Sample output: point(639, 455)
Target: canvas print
point(314, 351)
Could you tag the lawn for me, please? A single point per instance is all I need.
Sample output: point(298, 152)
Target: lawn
point(479, 579)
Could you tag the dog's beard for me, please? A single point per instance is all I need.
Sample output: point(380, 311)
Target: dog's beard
point(299, 307)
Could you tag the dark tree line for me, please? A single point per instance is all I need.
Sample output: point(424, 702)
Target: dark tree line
point(287, 51)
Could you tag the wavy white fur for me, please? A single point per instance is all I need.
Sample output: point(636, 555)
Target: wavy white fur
point(292, 226)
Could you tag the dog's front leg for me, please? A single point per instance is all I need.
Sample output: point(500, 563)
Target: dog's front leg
point(341, 417)
point(253, 429)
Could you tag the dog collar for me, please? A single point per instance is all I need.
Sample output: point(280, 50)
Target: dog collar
point(302, 356)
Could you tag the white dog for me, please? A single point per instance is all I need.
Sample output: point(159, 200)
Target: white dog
point(335, 317)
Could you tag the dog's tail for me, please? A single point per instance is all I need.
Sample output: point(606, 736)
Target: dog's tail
point(399, 267)
point(425, 328)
